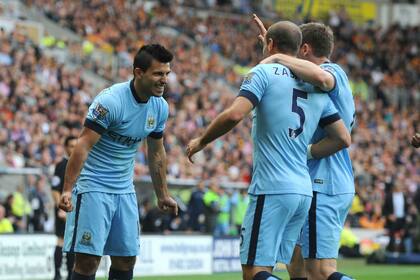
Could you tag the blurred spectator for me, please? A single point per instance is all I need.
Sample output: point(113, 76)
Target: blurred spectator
point(349, 243)
point(223, 218)
point(240, 201)
point(196, 209)
point(211, 200)
point(356, 211)
point(5, 224)
point(395, 209)
point(39, 200)
point(372, 221)
point(151, 218)
point(20, 209)
point(410, 228)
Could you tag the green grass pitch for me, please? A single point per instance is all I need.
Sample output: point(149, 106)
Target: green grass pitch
point(355, 268)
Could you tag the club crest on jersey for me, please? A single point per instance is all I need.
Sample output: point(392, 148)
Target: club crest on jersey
point(86, 238)
point(248, 78)
point(150, 123)
point(99, 112)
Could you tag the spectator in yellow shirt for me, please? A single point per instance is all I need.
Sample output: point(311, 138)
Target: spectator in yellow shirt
point(5, 225)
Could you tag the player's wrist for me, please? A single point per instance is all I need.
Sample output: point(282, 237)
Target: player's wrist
point(202, 142)
point(162, 193)
point(309, 152)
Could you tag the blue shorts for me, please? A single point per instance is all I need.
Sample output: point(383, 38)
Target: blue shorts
point(103, 224)
point(322, 230)
point(271, 227)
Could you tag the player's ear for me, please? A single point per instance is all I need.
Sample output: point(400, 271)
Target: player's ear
point(138, 73)
point(305, 49)
point(270, 45)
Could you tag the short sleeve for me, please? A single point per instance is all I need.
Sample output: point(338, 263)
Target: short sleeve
point(329, 114)
point(163, 117)
point(102, 112)
point(329, 68)
point(254, 85)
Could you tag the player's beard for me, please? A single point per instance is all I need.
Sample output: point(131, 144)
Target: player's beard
point(158, 89)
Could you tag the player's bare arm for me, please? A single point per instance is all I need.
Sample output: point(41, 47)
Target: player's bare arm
point(304, 69)
point(85, 142)
point(223, 123)
point(338, 138)
point(157, 166)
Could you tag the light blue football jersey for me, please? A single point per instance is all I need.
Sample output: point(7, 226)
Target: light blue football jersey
point(123, 121)
point(285, 119)
point(334, 174)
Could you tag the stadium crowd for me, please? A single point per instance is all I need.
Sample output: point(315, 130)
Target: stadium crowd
point(41, 101)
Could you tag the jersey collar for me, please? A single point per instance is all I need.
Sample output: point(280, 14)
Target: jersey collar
point(133, 91)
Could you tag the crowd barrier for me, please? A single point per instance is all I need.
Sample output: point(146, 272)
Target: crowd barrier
point(30, 256)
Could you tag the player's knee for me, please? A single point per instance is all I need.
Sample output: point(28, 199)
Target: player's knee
point(86, 265)
point(123, 263)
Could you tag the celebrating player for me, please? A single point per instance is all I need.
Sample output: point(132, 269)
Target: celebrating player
point(103, 217)
point(285, 118)
point(332, 177)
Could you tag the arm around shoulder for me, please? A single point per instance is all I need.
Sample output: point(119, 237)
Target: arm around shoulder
point(305, 70)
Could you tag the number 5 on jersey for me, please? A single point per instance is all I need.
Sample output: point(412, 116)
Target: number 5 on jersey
point(293, 133)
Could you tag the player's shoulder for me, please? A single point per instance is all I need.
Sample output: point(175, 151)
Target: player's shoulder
point(334, 68)
point(260, 69)
point(115, 95)
point(119, 90)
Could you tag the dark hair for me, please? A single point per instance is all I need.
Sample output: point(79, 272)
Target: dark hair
point(68, 139)
point(147, 53)
point(286, 36)
point(319, 36)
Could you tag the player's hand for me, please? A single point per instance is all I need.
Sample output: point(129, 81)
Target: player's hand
point(168, 205)
point(261, 27)
point(65, 202)
point(61, 214)
point(193, 147)
point(415, 141)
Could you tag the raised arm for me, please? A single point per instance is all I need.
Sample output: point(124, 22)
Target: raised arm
point(157, 166)
point(338, 138)
point(86, 141)
point(223, 123)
